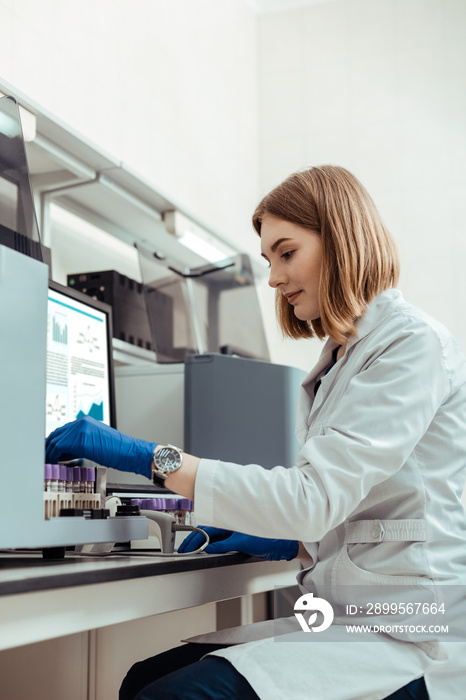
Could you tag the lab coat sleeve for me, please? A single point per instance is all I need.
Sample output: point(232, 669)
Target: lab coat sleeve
point(382, 415)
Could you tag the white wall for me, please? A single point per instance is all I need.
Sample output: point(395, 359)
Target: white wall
point(377, 86)
point(166, 86)
point(215, 106)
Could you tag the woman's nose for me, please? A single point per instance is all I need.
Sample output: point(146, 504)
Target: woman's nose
point(275, 277)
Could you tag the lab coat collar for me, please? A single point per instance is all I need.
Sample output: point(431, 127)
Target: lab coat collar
point(377, 310)
point(322, 364)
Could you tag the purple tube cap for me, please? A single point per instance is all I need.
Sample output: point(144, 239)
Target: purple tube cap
point(87, 474)
point(55, 471)
point(47, 471)
point(148, 504)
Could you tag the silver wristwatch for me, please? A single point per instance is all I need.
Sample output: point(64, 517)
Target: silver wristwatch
point(167, 459)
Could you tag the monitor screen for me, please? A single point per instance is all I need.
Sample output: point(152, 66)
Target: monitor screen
point(79, 358)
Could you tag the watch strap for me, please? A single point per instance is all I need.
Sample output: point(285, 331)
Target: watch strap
point(158, 480)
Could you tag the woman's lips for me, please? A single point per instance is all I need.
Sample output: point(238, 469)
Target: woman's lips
point(292, 298)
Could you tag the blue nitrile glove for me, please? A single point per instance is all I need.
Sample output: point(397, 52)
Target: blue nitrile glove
point(91, 439)
point(228, 541)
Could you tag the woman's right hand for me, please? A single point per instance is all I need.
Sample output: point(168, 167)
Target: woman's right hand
point(222, 541)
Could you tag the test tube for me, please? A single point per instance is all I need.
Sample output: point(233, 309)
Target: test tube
point(47, 477)
point(76, 479)
point(62, 478)
point(69, 479)
point(87, 479)
point(184, 516)
point(171, 505)
point(55, 469)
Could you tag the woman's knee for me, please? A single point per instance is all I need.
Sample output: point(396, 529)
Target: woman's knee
point(208, 679)
point(143, 673)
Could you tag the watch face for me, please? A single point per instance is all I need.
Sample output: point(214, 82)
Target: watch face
point(168, 459)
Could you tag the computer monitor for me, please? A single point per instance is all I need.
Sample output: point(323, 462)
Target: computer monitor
point(79, 358)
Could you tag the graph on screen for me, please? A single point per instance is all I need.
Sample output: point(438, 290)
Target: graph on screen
point(88, 402)
point(59, 329)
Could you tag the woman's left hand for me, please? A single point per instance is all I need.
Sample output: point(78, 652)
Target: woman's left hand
point(91, 439)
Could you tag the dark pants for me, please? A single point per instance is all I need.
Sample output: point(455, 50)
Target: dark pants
point(181, 674)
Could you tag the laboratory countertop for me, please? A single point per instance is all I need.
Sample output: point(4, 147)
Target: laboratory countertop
point(42, 599)
point(27, 572)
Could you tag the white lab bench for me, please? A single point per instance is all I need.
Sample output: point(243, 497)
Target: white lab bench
point(72, 628)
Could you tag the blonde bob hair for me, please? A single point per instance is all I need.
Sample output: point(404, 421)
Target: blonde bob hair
point(359, 256)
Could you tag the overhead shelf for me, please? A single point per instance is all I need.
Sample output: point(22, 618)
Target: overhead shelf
point(68, 169)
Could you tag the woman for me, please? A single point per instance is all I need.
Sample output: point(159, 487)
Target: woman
point(373, 502)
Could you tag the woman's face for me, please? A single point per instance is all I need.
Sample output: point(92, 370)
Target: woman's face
point(294, 254)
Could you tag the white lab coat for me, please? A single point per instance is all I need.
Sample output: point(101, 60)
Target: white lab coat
point(375, 497)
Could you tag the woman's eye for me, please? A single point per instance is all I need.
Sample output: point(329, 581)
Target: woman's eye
point(287, 255)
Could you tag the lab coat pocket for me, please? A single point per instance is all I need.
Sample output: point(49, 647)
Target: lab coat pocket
point(382, 570)
point(383, 552)
point(349, 573)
